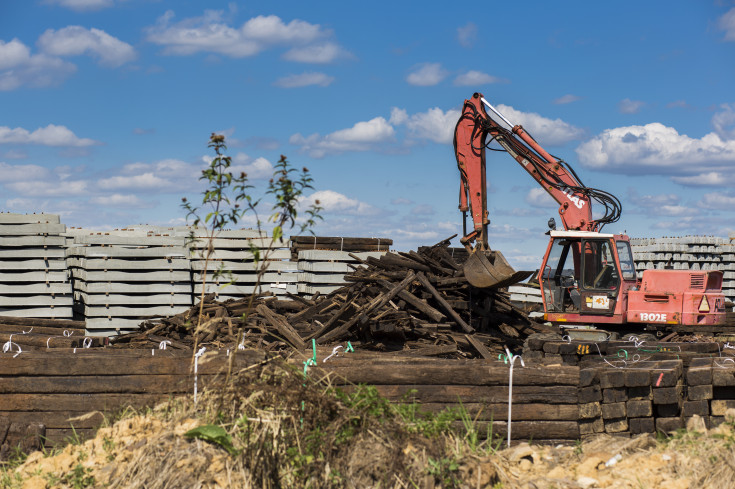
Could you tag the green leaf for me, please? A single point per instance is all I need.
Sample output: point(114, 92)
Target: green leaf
point(213, 434)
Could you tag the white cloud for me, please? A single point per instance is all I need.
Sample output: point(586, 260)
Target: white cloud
point(538, 197)
point(658, 149)
point(18, 67)
point(566, 99)
point(434, 124)
point(546, 131)
point(416, 236)
point(336, 203)
point(51, 135)
point(718, 201)
point(201, 34)
point(649, 201)
point(678, 104)
point(659, 205)
point(75, 40)
point(724, 122)
point(675, 210)
point(308, 43)
point(16, 173)
point(304, 80)
point(709, 179)
point(363, 136)
point(628, 106)
point(121, 201)
point(467, 34)
point(316, 53)
point(727, 24)
point(423, 210)
point(14, 154)
point(142, 181)
point(426, 74)
point(13, 53)
point(165, 176)
point(82, 5)
point(256, 169)
point(49, 188)
point(272, 30)
point(473, 78)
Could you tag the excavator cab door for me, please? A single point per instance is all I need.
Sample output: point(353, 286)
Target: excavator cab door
point(600, 277)
point(559, 275)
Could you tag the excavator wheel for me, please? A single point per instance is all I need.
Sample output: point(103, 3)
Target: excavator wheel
point(490, 269)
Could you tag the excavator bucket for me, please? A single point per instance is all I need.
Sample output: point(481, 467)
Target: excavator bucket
point(490, 269)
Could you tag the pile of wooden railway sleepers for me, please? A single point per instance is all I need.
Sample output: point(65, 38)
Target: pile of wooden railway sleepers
point(337, 243)
point(33, 277)
point(19, 335)
point(416, 303)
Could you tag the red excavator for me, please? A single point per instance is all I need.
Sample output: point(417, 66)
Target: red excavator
point(586, 277)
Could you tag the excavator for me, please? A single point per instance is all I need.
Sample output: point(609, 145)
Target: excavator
point(587, 277)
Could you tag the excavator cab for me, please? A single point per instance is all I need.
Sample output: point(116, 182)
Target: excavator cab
point(586, 273)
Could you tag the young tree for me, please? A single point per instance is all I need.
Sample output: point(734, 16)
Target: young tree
point(227, 198)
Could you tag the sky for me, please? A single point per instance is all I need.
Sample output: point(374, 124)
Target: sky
point(106, 108)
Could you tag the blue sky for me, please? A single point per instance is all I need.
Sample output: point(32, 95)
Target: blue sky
point(106, 107)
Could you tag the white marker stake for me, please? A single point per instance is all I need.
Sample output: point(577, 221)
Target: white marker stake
point(511, 358)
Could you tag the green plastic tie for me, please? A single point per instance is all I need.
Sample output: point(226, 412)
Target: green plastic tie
point(349, 347)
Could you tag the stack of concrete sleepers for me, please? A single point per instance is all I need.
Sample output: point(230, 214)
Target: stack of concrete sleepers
point(123, 277)
point(232, 270)
point(323, 271)
point(33, 278)
point(688, 253)
point(323, 261)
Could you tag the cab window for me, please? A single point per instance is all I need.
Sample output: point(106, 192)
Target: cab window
point(625, 256)
point(599, 270)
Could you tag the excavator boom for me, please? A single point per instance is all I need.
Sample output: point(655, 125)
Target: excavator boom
point(487, 268)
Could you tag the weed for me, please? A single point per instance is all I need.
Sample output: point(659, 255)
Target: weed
point(79, 478)
point(213, 434)
point(74, 438)
point(15, 458)
point(445, 470)
point(578, 448)
point(108, 444)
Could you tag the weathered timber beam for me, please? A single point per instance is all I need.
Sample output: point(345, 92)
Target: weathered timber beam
point(282, 326)
point(362, 313)
point(419, 304)
point(452, 313)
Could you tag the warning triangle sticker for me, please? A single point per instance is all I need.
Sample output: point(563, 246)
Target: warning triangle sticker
point(704, 305)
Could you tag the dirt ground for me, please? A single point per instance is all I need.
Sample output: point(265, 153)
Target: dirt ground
point(144, 451)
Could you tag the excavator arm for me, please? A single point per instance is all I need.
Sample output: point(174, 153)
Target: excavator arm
point(553, 174)
point(474, 132)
